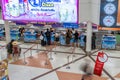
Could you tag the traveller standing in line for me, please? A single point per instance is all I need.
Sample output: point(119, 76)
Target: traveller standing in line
point(56, 39)
point(93, 41)
point(9, 49)
point(76, 34)
point(72, 40)
point(52, 35)
point(48, 36)
point(62, 38)
point(73, 30)
point(68, 37)
point(42, 38)
point(84, 39)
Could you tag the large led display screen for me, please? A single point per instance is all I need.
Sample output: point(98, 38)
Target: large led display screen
point(110, 13)
point(41, 10)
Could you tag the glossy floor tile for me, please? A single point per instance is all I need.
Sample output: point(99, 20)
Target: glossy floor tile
point(64, 63)
point(118, 75)
point(39, 60)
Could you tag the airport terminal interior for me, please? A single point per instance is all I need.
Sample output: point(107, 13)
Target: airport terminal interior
point(59, 39)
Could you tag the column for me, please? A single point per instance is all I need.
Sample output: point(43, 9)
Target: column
point(7, 31)
point(89, 36)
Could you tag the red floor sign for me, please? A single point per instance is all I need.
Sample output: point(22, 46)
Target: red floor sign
point(101, 59)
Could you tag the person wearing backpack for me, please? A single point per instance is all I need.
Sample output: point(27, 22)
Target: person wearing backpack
point(9, 49)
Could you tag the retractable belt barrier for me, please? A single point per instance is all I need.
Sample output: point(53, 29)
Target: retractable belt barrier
point(68, 57)
point(27, 51)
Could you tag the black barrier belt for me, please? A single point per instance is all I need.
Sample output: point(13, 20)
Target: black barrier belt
point(58, 51)
point(29, 49)
point(57, 68)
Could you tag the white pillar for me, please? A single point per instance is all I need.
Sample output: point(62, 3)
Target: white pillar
point(7, 32)
point(89, 36)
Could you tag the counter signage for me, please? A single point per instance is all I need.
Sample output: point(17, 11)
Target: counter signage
point(70, 25)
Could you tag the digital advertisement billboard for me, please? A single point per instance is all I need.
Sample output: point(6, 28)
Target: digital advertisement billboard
point(64, 11)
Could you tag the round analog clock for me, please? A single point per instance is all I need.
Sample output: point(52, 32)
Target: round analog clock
point(108, 21)
point(110, 0)
point(103, 58)
point(109, 8)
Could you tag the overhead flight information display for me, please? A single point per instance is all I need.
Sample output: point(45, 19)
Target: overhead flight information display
point(110, 13)
point(64, 11)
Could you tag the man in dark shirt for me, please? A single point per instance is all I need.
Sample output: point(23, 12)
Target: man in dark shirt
point(93, 41)
point(76, 36)
point(48, 36)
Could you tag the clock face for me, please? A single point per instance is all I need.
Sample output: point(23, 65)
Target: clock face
point(109, 8)
point(110, 0)
point(109, 21)
point(103, 58)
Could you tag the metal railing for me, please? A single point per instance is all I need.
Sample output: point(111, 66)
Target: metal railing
point(24, 53)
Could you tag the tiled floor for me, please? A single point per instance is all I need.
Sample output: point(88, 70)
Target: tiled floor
point(118, 75)
point(39, 60)
point(64, 63)
point(68, 76)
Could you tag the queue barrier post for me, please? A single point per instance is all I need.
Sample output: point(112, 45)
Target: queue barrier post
point(24, 59)
point(73, 55)
point(46, 61)
point(31, 53)
point(55, 48)
point(24, 62)
point(51, 58)
point(37, 47)
point(68, 60)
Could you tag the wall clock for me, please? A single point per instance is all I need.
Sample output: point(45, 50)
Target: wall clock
point(110, 8)
point(108, 21)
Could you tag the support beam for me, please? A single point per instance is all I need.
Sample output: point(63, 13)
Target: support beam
point(89, 36)
point(7, 32)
